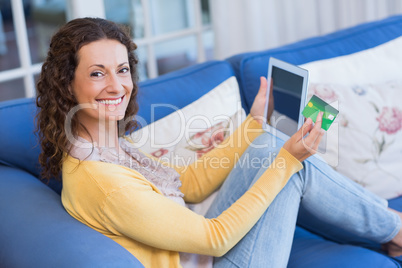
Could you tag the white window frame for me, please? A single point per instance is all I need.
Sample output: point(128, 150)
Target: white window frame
point(95, 8)
point(149, 40)
point(27, 70)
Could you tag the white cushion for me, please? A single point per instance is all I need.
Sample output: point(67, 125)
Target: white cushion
point(365, 141)
point(351, 148)
point(186, 134)
point(375, 65)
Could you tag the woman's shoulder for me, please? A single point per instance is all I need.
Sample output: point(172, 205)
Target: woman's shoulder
point(76, 166)
point(107, 176)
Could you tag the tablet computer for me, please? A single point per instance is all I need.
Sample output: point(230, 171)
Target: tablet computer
point(290, 86)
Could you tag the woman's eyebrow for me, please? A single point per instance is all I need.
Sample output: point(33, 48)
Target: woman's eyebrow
point(121, 64)
point(103, 66)
point(97, 65)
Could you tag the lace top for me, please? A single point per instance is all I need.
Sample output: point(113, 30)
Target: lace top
point(166, 179)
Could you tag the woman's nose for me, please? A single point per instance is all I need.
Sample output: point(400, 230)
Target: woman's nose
point(114, 85)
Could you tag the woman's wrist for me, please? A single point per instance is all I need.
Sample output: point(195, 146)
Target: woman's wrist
point(257, 119)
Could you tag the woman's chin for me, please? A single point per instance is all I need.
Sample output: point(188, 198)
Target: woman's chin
point(115, 118)
point(120, 117)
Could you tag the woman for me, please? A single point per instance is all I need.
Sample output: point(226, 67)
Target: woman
point(87, 94)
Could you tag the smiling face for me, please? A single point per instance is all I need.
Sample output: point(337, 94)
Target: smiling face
point(102, 82)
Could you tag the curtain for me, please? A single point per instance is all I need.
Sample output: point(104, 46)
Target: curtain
point(254, 25)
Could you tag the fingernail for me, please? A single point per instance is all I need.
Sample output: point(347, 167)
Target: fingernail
point(309, 121)
point(322, 131)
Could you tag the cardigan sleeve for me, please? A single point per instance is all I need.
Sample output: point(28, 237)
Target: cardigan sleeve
point(207, 173)
point(139, 212)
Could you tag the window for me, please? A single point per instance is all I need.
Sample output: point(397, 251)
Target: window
point(25, 29)
point(170, 35)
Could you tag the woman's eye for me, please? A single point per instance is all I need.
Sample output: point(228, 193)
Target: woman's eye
point(124, 70)
point(96, 74)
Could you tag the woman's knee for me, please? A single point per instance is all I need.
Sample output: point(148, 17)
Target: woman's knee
point(263, 149)
point(259, 155)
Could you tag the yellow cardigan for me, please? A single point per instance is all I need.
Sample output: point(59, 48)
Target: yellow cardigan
point(123, 205)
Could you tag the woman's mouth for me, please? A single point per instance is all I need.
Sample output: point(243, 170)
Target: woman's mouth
point(111, 101)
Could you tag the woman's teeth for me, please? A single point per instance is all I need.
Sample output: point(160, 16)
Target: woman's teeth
point(111, 102)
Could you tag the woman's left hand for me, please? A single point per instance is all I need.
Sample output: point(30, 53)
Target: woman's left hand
point(258, 107)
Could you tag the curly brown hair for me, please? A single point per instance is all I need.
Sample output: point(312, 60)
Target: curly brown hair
point(54, 99)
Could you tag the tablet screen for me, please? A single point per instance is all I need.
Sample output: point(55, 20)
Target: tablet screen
point(289, 93)
point(287, 82)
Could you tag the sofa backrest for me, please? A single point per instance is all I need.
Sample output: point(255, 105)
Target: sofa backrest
point(249, 67)
point(180, 88)
point(19, 145)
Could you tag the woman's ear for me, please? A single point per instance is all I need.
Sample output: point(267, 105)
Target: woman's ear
point(70, 90)
point(71, 93)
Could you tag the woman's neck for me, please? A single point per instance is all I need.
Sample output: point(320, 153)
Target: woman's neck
point(101, 134)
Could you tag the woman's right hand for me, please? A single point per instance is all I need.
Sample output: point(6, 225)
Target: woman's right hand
point(302, 147)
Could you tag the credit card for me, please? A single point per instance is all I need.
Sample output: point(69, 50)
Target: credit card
point(316, 105)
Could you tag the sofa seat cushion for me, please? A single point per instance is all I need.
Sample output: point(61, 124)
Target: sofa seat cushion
point(395, 203)
point(36, 231)
point(310, 250)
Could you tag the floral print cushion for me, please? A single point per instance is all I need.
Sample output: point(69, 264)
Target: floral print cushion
point(365, 141)
point(196, 144)
point(188, 133)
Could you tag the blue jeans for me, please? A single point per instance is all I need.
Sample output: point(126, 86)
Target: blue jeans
point(317, 198)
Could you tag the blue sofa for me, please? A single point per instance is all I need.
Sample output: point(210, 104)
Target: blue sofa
point(35, 230)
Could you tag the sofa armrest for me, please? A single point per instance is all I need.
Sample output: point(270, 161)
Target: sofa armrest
point(36, 231)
